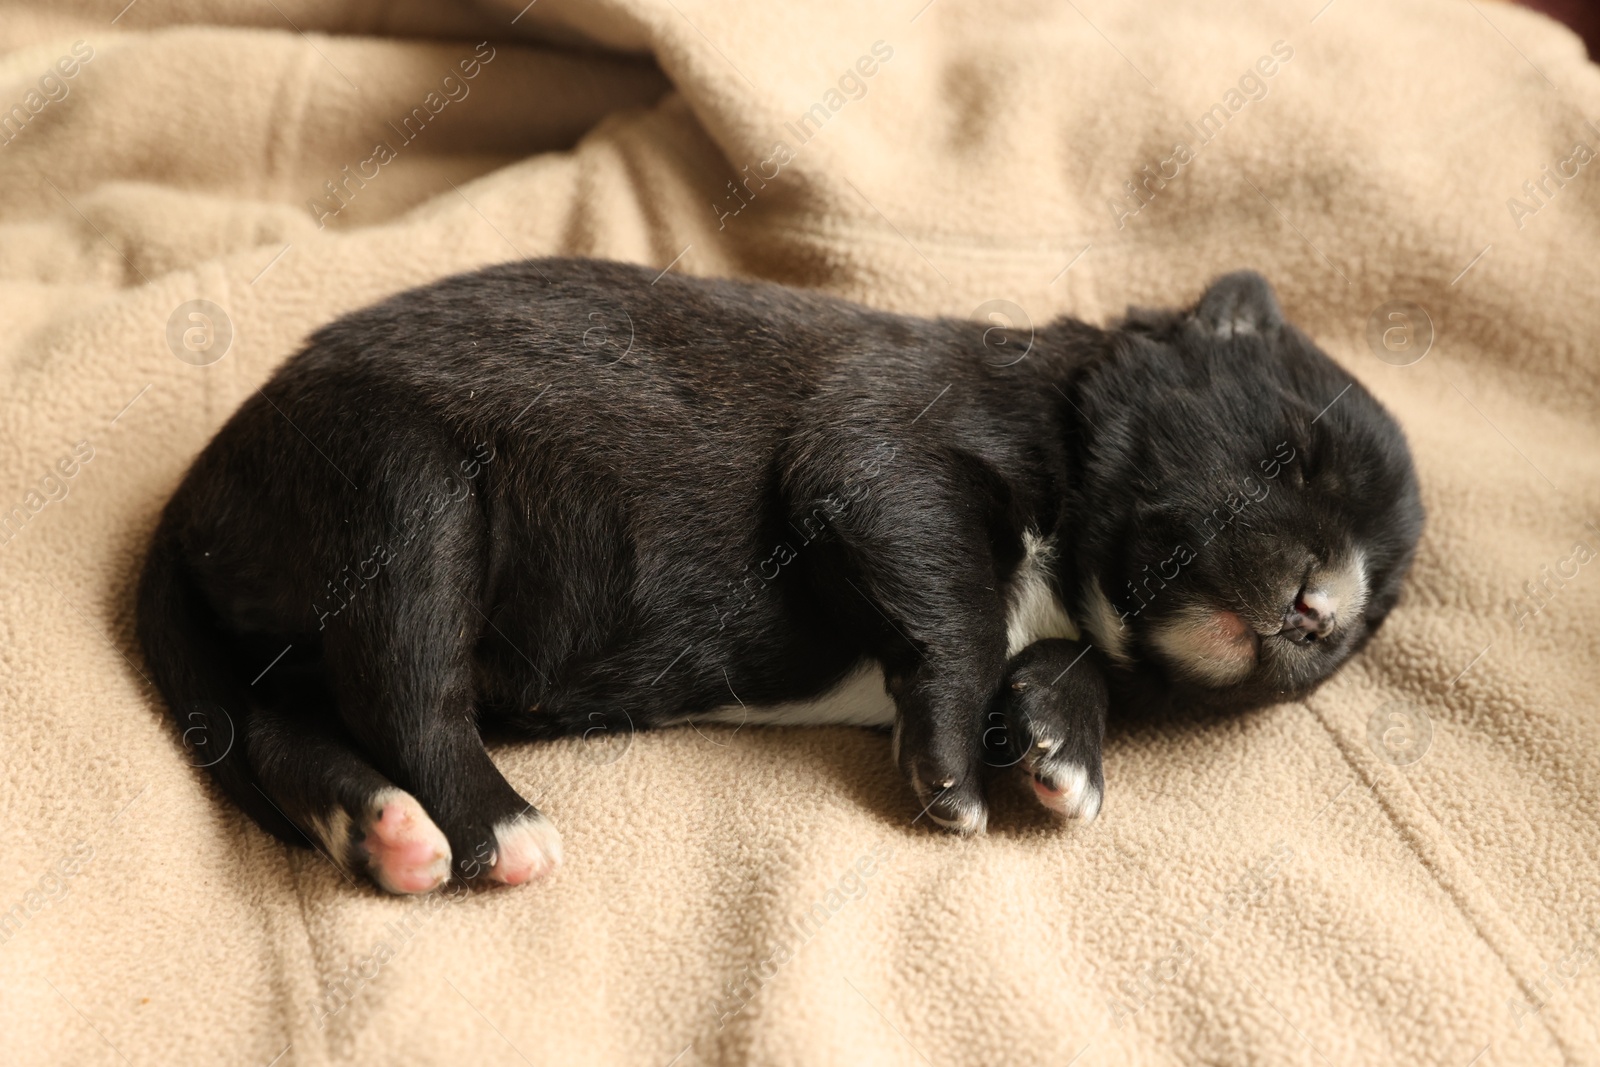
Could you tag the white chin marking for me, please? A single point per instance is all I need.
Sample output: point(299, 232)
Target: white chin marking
point(525, 848)
point(1033, 610)
point(1216, 648)
point(406, 852)
point(1104, 624)
point(1065, 790)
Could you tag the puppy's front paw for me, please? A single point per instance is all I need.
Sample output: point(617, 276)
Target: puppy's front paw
point(1069, 789)
point(944, 777)
point(953, 804)
point(1054, 706)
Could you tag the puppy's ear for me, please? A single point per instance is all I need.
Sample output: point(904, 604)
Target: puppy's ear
point(1241, 302)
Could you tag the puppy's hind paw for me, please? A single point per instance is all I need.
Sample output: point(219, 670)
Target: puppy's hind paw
point(405, 852)
point(526, 847)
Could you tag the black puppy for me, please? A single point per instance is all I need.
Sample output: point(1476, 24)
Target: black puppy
point(561, 496)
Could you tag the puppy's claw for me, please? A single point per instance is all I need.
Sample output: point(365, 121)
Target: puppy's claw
point(960, 810)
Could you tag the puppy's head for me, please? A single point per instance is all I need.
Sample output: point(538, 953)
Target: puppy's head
point(1254, 509)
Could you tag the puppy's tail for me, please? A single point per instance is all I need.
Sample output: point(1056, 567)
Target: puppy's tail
point(195, 662)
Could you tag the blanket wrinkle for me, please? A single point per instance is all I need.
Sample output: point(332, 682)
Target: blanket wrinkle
point(1445, 865)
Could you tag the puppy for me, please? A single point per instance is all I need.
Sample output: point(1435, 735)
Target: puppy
point(562, 497)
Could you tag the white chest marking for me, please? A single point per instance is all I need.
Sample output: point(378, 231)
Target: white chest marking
point(1033, 610)
point(1105, 625)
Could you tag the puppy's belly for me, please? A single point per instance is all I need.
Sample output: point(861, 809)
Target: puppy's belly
point(859, 700)
point(1033, 613)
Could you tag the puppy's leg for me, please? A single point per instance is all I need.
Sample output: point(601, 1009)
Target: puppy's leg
point(306, 768)
point(938, 705)
point(400, 659)
point(1053, 704)
point(909, 570)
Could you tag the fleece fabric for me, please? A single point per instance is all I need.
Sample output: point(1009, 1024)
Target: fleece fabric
point(1401, 869)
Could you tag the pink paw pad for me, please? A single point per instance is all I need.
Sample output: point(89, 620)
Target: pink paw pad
point(526, 848)
point(406, 852)
point(1068, 793)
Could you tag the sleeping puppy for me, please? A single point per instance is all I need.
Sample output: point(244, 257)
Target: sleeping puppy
point(566, 497)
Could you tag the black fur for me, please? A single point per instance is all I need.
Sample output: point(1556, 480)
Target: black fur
point(556, 495)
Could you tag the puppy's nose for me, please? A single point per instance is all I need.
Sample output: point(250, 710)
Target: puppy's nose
point(1310, 617)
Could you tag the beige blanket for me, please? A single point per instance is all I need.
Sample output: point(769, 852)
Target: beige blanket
point(1402, 869)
